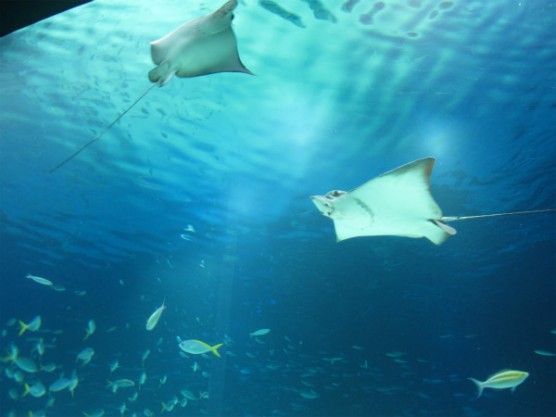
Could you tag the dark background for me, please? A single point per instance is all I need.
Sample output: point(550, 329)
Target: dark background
point(15, 15)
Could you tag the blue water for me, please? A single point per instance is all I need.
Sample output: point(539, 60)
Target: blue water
point(342, 93)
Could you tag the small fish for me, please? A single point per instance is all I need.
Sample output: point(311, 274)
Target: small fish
point(395, 354)
point(26, 364)
point(188, 394)
point(145, 355)
point(143, 378)
point(228, 340)
point(33, 326)
point(59, 385)
point(310, 395)
point(39, 347)
point(195, 367)
point(13, 394)
point(36, 390)
point(115, 364)
point(433, 381)
point(260, 332)
point(120, 383)
point(544, 353)
point(73, 382)
point(86, 355)
point(91, 327)
point(9, 372)
point(167, 407)
point(196, 347)
point(334, 359)
point(13, 353)
point(19, 377)
point(49, 367)
point(96, 413)
point(501, 380)
point(40, 280)
point(152, 321)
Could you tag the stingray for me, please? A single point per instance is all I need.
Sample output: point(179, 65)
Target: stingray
point(396, 203)
point(203, 46)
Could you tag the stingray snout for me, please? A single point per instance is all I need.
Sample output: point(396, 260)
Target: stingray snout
point(323, 204)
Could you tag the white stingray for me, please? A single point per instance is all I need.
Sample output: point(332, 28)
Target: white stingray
point(396, 203)
point(206, 45)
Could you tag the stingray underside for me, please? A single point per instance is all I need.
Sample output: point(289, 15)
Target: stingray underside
point(397, 203)
point(196, 56)
point(206, 45)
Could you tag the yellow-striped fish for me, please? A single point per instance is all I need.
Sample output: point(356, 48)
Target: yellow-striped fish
point(501, 380)
point(196, 347)
point(33, 326)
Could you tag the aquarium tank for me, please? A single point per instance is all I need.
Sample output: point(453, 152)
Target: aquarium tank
point(278, 208)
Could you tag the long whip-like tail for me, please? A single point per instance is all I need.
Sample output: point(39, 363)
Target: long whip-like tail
point(456, 218)
point(102, 132)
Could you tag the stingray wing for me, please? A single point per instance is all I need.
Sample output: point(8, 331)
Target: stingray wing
point(397, 203)
point(209, 55)
point(190, 31)
point(179, 38)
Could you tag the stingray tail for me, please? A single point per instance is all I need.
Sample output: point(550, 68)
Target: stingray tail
point(102, 132)
point(482, 216)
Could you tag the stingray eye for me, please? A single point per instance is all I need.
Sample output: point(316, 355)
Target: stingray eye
point(232, 17)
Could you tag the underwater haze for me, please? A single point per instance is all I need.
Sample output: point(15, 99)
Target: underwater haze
point(194, 210)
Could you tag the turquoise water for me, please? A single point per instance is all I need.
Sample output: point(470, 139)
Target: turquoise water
point(342, 93)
